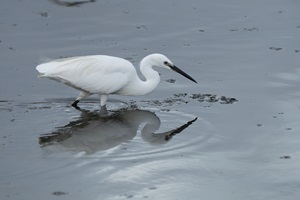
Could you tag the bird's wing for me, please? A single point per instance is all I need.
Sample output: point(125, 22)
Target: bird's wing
point(95, 74)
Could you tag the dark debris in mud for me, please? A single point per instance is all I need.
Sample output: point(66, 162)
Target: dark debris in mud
point(285, 157)
point(59, 193)
point(211, 98)
point(171, 80)
point(251, 29)
point(184, 98)
point(6, 106)
point(44, 14)
point(71, 4)
point(276, 48)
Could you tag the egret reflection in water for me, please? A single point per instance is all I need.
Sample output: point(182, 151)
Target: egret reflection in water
point(92, 132)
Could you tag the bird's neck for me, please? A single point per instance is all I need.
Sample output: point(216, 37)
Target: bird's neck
point(151, 76)
point(140, 87)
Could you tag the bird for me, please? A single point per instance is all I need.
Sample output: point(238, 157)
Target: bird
point(105, 75)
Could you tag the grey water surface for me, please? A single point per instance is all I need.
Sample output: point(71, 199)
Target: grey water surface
point(234, 135)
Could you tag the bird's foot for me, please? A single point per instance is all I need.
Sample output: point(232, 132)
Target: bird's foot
point(74, 104)
point(103, 111)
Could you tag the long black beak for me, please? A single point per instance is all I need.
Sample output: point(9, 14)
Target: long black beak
point(176, 69)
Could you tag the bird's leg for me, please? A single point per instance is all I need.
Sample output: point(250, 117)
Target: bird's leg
point(103, 111)
point(74, 104)
point(103, 99)
point(82, 94)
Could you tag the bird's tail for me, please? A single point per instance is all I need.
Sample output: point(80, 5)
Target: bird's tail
point(41, 75)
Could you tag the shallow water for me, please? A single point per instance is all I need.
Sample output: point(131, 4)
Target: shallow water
point(234, 135)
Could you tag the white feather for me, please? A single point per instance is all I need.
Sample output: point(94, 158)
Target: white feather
point(90, 73)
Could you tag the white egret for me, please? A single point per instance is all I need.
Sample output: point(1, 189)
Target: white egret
point(105, 75)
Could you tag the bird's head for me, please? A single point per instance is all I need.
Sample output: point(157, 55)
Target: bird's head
point(161, 60)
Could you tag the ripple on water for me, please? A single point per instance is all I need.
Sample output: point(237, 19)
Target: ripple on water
point(164, 142)
point(125, 134)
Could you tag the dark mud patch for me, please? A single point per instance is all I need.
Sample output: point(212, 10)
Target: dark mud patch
point(245, 29)
point(276, 48)
point(59, 193)
point(251, 29)
point(6, 106)
point(171, 80)
point(184, 98)
point(211, 98)
point(285, 157)
point(71, 4)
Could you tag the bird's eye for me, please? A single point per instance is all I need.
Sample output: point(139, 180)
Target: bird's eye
point(166, 63)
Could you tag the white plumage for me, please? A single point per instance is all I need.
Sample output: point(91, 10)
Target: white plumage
point(104, 75)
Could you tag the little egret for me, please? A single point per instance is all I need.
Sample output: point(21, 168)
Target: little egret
point(104, 75)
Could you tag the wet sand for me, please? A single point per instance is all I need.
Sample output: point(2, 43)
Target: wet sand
point(234, 135)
